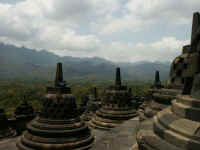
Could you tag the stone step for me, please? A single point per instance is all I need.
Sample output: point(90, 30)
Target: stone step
point(188, 100)
point(94, 126)
point(118, 112)
point(177, 124)
point(186, 111)
point(177, 131)
point(117, 115)
point(101, 125)
point(174, 138)
point(53, 132)
point(81, 144)
point(23, 147)
point(100, 119)
point(148, 140)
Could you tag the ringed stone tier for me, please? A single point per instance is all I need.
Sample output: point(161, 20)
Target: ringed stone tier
point(158, 99)
point(58, 126)
point(24, 113)
point(177, 127)
point(5, 130)
point(93, 105)
point(116, 106)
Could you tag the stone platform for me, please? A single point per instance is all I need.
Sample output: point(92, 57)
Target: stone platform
point(119, 138)
point(9, 144)
point(150, 137)
point(175, 128)
point(122, 137)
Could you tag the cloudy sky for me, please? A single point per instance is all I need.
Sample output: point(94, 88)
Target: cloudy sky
point(118, 30)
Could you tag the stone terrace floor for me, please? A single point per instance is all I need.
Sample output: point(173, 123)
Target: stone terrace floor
point(8, 144)
point(119, 138)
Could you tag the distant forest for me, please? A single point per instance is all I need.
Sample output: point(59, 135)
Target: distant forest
point(12, 92)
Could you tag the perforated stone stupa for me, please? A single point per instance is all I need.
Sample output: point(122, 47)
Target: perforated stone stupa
point(93, 105)
point(24, 113)
point(116, 106)
point(24, 109)
point(58, 127)
point(179, 68)
point(178, 127)
point(5, 130)
point(159, 99)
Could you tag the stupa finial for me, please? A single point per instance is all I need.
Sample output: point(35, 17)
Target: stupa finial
point(195, 25)
point(157, 82)
point(95, 92)
point(25, 99)
point(59, 76)
point(118, 77)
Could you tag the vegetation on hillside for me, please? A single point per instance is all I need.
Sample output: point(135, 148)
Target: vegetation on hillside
point(12, 92)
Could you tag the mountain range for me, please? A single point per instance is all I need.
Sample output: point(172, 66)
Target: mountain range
point(25, 63)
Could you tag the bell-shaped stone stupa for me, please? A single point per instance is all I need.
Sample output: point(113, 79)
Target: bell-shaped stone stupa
point(158, 99)
point(93, 105)
point(24, 113)
point(58, 127)
point(5, 130)
point(116, 106)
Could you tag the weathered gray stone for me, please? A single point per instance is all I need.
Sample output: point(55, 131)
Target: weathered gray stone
point(158, 99)
point(161, 98)
point(157, 82)
point(93, 104)
point(5, 130)
point(182, 68)
point(119, 138)
point(186, 49)
point(116, 107)
point(195, 26)
point(176, 127)
point(196, 87)
point(58, 126)
point(24, 113)
point(9, 144)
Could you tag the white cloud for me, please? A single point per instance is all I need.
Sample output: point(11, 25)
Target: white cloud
point(26, 23)
point(143, 13)
point(79, 27)
point(164, 50)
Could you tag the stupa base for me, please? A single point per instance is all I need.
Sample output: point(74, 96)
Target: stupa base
point(108, 119)
point(47, 134)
